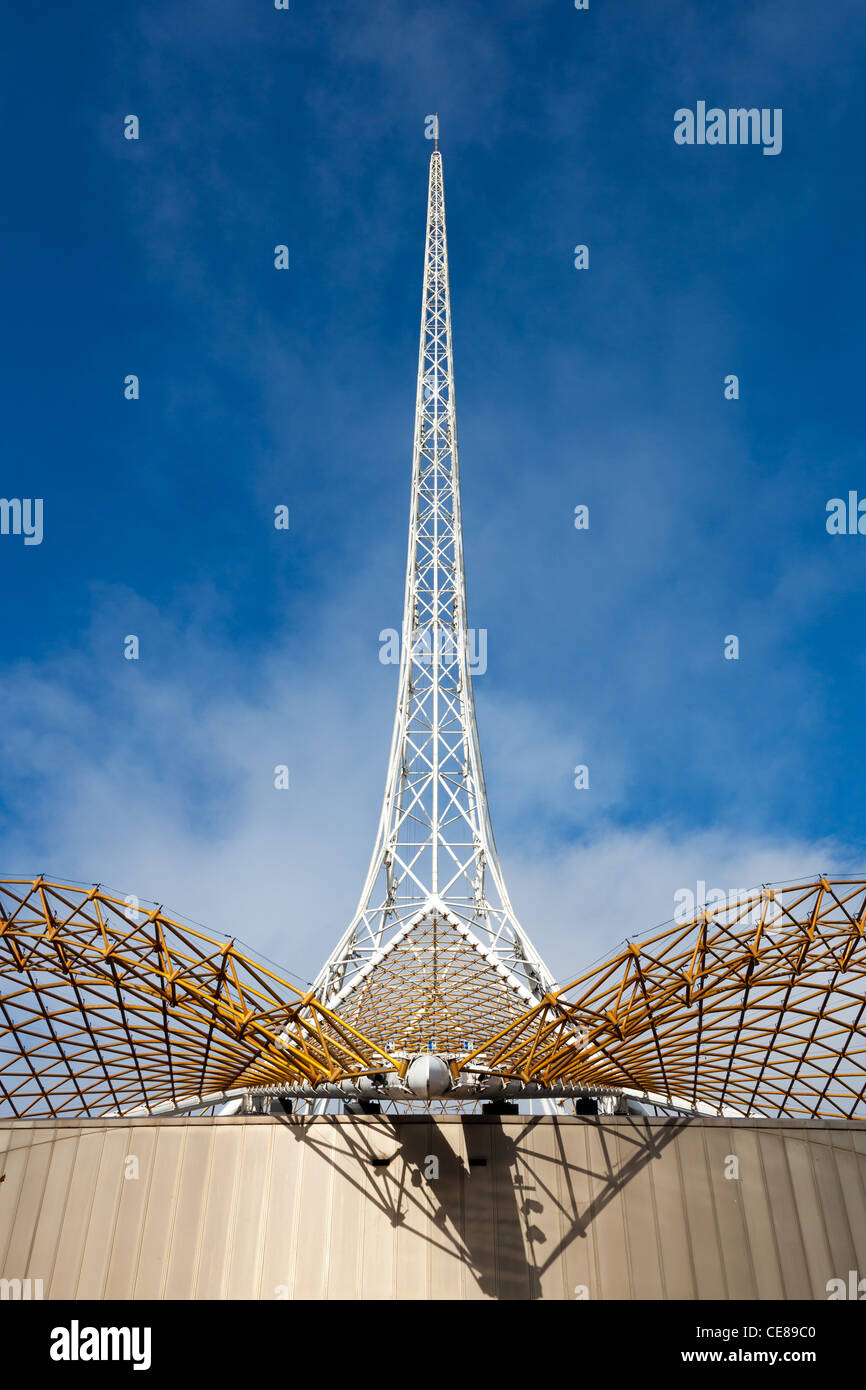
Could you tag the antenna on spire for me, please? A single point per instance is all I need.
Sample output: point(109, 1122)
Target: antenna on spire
point(436, 135)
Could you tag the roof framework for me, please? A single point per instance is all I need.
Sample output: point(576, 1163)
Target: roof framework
point(757, 1006)
point(106, 1009)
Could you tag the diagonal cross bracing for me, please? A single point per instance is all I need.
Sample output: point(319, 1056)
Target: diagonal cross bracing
point(434, 840)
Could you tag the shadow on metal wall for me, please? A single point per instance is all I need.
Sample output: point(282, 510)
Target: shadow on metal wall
point(494, 1205)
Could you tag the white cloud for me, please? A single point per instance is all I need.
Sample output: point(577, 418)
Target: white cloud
point(156, 778)
point(580, 903)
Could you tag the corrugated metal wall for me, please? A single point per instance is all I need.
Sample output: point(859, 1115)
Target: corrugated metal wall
point(520, 1208)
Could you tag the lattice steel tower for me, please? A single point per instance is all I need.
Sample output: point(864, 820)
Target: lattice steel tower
point(754, 1006)
point(434, 890)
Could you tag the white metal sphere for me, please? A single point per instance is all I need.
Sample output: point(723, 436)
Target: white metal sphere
point(428, 1075)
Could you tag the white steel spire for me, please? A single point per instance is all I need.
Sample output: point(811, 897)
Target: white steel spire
point(434, 871)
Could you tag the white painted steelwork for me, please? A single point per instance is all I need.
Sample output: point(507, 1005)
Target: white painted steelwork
point(434, 856)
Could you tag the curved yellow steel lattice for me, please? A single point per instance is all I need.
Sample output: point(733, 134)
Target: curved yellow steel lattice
point(106, 1009)
point(758, 1006)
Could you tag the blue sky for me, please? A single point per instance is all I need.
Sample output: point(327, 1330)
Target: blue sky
point(260, 387)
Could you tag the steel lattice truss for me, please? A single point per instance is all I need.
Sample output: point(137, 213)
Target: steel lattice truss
point(106, 1009)
point(434, 853)
point(757, 1007)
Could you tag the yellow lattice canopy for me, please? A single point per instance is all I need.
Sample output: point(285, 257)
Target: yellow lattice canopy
point(758, 1006)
